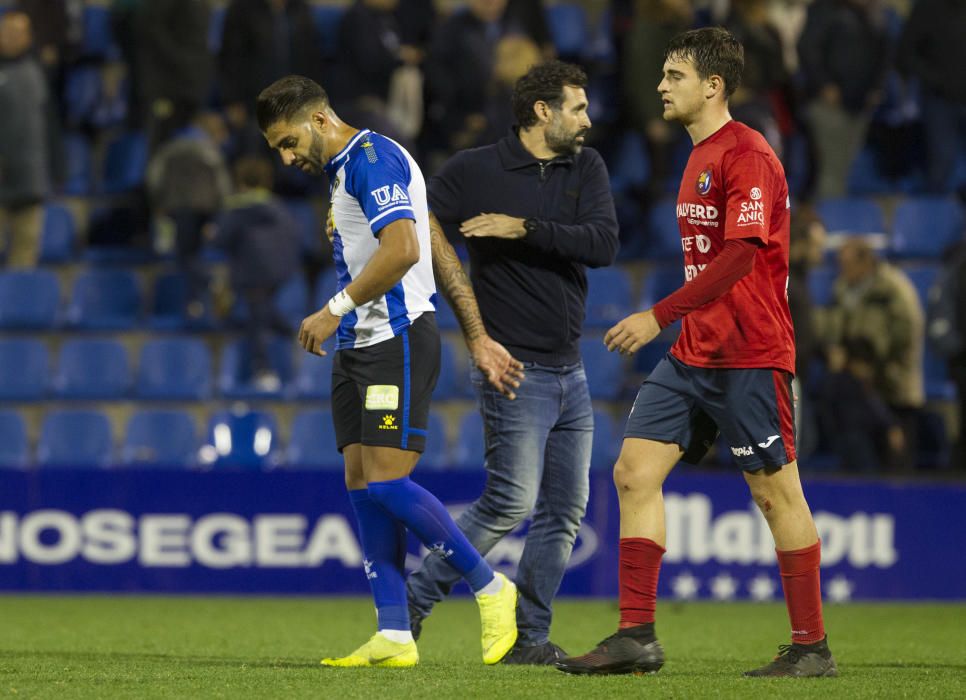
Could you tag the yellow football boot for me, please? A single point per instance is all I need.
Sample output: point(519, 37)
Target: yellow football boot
point(498, 614)
point(379, 652)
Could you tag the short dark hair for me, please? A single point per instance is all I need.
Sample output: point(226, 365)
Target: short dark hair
point(544, 83)
point(713, 51)
point(286, 98)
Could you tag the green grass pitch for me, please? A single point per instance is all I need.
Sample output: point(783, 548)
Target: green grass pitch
point(193, 647)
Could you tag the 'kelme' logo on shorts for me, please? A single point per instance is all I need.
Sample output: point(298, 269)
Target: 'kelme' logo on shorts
point(389, 422)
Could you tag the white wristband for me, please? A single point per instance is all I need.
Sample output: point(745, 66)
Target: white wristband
point(341, 304)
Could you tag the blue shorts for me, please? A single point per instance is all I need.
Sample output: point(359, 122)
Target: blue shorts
point(686, 405)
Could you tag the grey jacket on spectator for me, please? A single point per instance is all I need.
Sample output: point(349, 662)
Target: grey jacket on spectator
point(23, 134)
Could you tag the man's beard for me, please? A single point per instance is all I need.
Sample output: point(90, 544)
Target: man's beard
point(563, 143)
point(314, 159)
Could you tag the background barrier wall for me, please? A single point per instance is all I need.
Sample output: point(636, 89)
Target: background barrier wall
point(293, 532)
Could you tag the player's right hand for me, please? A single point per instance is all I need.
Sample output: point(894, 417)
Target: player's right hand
point(315, 329)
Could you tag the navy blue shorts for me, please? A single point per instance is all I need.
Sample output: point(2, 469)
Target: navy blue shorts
point(686, 405)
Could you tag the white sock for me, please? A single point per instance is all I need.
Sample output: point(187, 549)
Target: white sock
point(494, 586)
point(398, 636)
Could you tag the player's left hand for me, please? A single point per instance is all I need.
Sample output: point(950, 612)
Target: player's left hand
point(633, 333)
point(494, 226)
point(315, 329)
point(496, 363)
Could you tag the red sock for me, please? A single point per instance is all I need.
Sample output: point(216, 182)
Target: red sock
point(640, 563)
point(803, 592)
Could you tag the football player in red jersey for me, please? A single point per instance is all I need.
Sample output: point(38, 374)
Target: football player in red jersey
point(730, 369)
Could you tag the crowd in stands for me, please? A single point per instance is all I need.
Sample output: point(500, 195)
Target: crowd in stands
point(155, 258)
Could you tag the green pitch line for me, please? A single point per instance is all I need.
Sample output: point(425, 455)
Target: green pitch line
point(135, 647)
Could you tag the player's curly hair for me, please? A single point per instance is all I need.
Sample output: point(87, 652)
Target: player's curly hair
point(712, 51)
point(286, 98)
point(544, 83)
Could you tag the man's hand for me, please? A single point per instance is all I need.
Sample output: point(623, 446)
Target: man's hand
point(499, 367)
point(315, 329)
point(494, 226)
point(633, 333)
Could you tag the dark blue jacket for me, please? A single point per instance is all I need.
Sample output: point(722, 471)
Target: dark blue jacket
point(531, 291)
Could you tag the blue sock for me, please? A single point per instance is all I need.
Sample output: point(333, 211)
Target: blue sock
point(384, 547)
point(426, 518)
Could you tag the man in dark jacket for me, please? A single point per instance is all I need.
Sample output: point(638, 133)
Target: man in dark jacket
point(556, 217)
point(259, 238)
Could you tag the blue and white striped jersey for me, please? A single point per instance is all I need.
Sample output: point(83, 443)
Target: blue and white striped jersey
point(374, 182)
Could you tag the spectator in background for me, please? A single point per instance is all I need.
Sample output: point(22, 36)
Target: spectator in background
point(529, 18)
point(806, 248)
point(380, 74)
point(515, 55)
point(876, 302)
point(459, 66)
point(264, 40)
point(188, 183)
point(174, 66)
point(761, 99)
point(844, 60)
point(933, 49)
point(855, 417)
point(23, 141)
point(655, 23)
point(258, 235)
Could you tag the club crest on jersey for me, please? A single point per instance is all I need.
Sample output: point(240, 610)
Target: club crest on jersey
point(703, 185)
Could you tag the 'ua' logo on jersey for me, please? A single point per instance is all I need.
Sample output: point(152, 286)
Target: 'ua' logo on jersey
point(703, 185)
point(384, 196)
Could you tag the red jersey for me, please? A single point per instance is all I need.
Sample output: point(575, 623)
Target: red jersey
point(734, 187)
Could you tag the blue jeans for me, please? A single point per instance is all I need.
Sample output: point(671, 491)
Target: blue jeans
point(537, 459)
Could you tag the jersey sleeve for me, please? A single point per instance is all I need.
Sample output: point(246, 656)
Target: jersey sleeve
point(751, 188)
point(378, 178)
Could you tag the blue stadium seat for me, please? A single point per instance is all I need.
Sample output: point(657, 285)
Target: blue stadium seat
point(445, 318)
point(24, 369)
point(105, 299)
point(92, 368)
point(216, 28)
point(327, 20)
point(236, 380)
point(160, 438)
point(313, 444)
point(436, 455)
point(469, 451)
point(13, 441)
point(241, 440)
point(125, 162)
point(79, 169)
point(661, 232)
point(174, 369)
point(608, 296)
point(314, 378)
point(629, 165)
point(851, 215)
point(607, 441)
point(58, 235)
point(923, 276)
point(659, 282)
point(306, 219)
point(169, 302)
point(865, 176)
point(98, 37)
point(647, 357)
point(568, 28)
point(605, 370)
point(821, 284)
point(926, 227)
point(82, 91)
point(939, 387)
point(326, 285)
point(454, 374)
point(75, 439)
point(29, 299)
point(291, 301)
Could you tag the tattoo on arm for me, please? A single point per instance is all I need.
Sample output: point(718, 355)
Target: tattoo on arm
point(454, 284)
